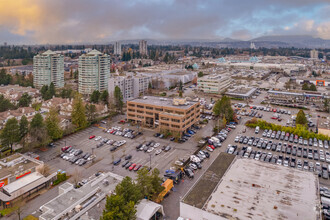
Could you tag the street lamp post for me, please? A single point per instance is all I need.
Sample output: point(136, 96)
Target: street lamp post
point(150, 162)
point(65, 143)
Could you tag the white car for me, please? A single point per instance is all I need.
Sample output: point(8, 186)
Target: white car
point(158, 151)
point(194, 158)
point(98, 138)
point(157, 145)
point(150, 149)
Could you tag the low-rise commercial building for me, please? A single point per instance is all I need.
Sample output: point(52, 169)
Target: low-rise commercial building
point(21, 176)
point(242, 92)
point(174, 115)
point(248, 189)
point(73, 203)
point(213, 83)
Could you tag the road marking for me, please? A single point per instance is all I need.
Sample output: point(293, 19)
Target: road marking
point(170, 154)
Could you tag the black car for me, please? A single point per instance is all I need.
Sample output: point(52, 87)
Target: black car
point(116, 162)
point(113, 148)
point(172, 139)
point(128, 165)
point(206, 154)
point(138, 147)
point(199, 166)
point(125, 163)
point(128, 157)
point(189, 173)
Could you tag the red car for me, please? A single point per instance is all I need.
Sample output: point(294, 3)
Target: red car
point(275, 118)
point(211, 146)
point(137, 167)
point(274, 110)
point(132, 166)
point(91, 137)
point(66, 148)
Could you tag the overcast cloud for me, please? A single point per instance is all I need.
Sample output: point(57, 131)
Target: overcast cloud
point(79, 21)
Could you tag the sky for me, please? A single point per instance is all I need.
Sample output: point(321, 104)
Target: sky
point(102, 21)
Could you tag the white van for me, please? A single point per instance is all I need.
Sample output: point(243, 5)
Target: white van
point(257, 130)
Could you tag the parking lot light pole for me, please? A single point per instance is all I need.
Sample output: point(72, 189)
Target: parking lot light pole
point(65, 143)
point(150, 162)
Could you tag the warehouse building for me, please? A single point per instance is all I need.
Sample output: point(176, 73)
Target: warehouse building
point(234, 188)
point(21, 176)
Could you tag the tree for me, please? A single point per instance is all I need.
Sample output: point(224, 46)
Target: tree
point(105, 97)
point(129, 190)
point(38, 133)
point(200, 74)
point(180, 93)
point(43, 91)
point(5, 104)
point(78, 116)
point(312, 87)
point(9, 135)
point(180, 86)
point(53, 124)
point(95, 96)
point(37, 121)
point(222, 108)
point(25, 100)
point(23, 127)
point(149, 184)
point(90, 111)
point(118, 99)
point(75, 74)
point(305, 86)
point(52, 90)
point(301, 118)
point(117, 208)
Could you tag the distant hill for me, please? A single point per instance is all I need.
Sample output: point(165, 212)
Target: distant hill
point(300, 41)
point(276, 41)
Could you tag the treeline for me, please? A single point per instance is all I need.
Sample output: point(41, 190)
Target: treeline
point(16, 52)
point(24, 101)
point(6, 79)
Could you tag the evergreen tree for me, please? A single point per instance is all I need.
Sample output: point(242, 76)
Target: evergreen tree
point(37, 121)
point(104, 97)
point(117, 208)
point(95, 96)
point(23, 127)
point(301, 118)
point(53, 124)
point(10, 133)
point(25, 100)
point(78, 116)
point(312, 87)
point(52, 90)
point(223, 108)
point(305, 86)
point(118, 99)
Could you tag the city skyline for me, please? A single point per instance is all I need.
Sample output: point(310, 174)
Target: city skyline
point(41, 22)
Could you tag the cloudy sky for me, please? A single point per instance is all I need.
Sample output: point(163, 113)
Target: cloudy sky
point(79, 21)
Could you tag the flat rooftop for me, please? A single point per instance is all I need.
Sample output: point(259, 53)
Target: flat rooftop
point(162, 102)
point(252, 189)
point(203, 189)
point(10, 170)
point(67, 201)
point(242, 91)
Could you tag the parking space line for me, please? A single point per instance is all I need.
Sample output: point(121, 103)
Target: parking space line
point(171, 154)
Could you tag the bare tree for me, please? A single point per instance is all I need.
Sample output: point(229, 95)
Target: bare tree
point(76, 176)
point(44, 170)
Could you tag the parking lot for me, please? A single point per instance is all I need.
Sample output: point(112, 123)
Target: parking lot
point(311, 157)
point(105, 156)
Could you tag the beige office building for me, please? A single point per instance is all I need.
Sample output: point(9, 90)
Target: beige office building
point(175, 115)
point(143, 48)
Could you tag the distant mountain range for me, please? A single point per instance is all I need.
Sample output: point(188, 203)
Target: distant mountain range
point(276, 41)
